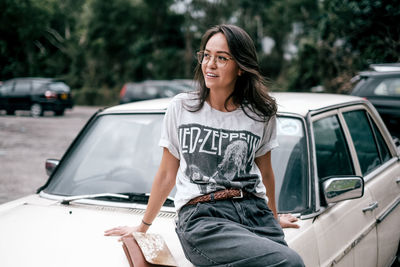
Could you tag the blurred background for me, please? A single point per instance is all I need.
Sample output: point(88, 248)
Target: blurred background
point(98, 46)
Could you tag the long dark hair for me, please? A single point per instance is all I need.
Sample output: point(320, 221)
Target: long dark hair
point(250, 90)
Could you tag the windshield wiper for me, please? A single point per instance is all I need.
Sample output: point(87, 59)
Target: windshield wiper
point(67, 200)
point(144, 197)
point(127, 197)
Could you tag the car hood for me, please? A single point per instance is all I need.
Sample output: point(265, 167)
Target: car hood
point(36, 231)
point(40, 232)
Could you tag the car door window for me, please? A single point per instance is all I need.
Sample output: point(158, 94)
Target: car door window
point(22, 87)
point(363, 139)
point(382, 146)
point(333, 157)
point(37, 86)
point(7, 87)
point(388, 87)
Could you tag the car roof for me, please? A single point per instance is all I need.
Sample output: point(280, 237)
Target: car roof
point(294, 103)
point(385, 67)
point(365, 74)
point(34, 79)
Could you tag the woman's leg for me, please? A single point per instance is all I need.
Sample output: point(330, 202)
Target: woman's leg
point(234, 233)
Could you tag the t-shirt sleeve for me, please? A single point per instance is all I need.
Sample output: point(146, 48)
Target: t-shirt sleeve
point(169, 131)
point(269, 140)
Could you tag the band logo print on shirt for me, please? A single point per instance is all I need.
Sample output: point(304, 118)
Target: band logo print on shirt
point(234, 151)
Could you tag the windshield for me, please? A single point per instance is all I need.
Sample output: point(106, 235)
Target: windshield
point(120, 154)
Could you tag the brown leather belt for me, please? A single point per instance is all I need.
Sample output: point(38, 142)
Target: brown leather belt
point(219, 195)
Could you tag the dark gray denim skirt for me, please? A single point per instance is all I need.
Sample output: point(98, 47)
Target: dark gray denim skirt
point(233, 232)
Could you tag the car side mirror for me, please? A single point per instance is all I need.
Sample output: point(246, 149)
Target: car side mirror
point(337, 189)
point(50, 165)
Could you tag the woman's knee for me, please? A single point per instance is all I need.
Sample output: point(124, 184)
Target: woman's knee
point(293, 259)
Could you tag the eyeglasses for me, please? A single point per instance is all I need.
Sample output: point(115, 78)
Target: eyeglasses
point(204, 57)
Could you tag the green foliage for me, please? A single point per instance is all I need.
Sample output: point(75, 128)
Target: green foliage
point(145, 37)
point(20, 37)
point(96, 96)
point(96, 46)
point(369, 28)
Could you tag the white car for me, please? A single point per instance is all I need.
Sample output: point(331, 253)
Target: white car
point(337, 169)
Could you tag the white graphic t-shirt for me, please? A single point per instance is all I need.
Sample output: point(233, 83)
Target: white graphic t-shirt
point(216, 149)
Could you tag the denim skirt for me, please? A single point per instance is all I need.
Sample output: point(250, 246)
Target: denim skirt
point(233, 232)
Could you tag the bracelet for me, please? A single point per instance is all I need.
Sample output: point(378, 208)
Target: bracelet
point(145, 223)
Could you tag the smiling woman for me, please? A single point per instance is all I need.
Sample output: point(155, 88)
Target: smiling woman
point(217, 151)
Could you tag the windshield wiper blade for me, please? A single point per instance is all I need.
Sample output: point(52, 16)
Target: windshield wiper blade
point(127, 196)
point(144, 197)
point(67, 200)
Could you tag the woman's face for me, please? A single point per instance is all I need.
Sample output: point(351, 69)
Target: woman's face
point(219, 77)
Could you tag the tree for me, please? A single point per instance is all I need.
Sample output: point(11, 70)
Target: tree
point(131, 41)
point(369, 29)
point(22, 26)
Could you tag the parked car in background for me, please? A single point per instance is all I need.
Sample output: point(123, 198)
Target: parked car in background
point(36, 95)
point(381, 87)
point(337, 169)
point(151, 89)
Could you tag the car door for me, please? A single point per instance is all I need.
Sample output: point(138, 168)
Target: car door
point(20, 96)
point(380, 168)
point(346, 235)
point(5, 94)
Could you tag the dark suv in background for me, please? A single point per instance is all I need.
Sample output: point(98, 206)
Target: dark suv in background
point(381, 86)
point(36, 95)
point(150, 89)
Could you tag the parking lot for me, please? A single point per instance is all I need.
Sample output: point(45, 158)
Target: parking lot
point(26, 143)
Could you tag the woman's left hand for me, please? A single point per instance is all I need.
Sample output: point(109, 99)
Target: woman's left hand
point(288, 221)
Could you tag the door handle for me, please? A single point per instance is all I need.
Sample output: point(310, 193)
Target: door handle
point(371, 206)
point(398, 180)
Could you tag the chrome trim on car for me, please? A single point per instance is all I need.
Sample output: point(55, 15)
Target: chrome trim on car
point(388, 211)
point(336, 107)
point(313, 172)
point(339, 188)
point(371, 206)
point(349, 139)
point(382, 168)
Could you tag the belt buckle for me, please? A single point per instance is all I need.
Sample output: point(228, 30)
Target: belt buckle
point(241, 194)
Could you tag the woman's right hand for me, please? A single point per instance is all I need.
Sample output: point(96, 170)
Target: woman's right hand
point(125, 230)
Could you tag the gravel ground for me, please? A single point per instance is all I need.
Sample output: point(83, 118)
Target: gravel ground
point(26, 143)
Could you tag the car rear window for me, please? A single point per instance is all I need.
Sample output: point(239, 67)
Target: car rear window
point(388, 87)
point(59, 86)
point(37, 84)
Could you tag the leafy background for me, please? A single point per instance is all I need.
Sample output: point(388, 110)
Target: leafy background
point(96, 46)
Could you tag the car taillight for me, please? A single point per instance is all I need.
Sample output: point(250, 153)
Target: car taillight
point(123, 91)
point(50, 94)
